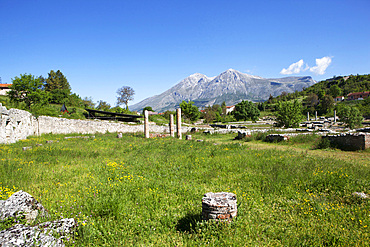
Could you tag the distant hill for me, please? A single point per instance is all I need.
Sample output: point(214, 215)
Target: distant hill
point(230, 86)
point(348, 84)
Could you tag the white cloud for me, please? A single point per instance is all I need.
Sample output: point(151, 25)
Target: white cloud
point(294, 68)
point(321, 65)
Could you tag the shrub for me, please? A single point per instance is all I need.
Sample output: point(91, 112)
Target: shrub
point(323, 144)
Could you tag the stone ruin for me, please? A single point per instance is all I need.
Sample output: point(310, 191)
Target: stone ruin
point(349, 141)
point(219, 206)
point(22, 204)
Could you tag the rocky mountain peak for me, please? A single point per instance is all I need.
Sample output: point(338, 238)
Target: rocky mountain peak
point(230, 86)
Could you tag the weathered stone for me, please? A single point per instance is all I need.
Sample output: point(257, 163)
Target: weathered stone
point(240, 135)
point(276, 138)
point(21, 203)
point(172, 126)
point(361, 195)
point(146, 124)
point(39, 235)
point(219, 206)
point(178, 123)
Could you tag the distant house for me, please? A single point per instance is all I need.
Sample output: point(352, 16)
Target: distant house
point(358, 96)
point(4, 88)
point(230, 109)
point(339, 98)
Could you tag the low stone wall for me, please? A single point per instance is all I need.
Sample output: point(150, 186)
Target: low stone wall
point(350, 142)
point(17, 125)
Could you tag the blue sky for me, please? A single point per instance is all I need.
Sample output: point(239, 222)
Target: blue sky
point(150, 46)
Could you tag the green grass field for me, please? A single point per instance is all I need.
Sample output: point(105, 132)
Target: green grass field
point(147, 192)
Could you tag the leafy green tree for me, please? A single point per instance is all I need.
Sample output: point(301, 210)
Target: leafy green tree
point(74, 100)
point(246, 110)
point(312, 100)
point(327, 104)
point(190, 111)
point(118, 109)
point(28, 89)
point(223, 108)
point(125, 94)
point(335, 91)
point(103, 106)
point(351, 116)
point(167, 114)
point(148, 108)
point(58, 86)
point(289, 113)
point(209, 114)
point(88, 103)
point(321, 94)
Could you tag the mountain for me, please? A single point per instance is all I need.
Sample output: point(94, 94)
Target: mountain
point(230, 86)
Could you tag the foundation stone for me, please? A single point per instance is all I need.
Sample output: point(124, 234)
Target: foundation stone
point(220, 206)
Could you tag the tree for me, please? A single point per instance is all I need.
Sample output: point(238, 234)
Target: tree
point(335, 91)
point(209, 114)
point(312, 100)
point(190, 111)
point(288, 113)
point(103, 105)
point(88, 103)
point(28, 89)
point(351, 116)
point(327, 104)
point(58, 87)
point(224, 108)
point(321, 94)
point(125, 94)
point(148, 108)
point(246, 110)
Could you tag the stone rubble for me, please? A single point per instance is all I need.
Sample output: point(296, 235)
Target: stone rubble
point(21, 204)
point(361, 195)
point(44, 234)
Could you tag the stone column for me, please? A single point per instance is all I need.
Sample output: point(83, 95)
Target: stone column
point(178, 123)
point(335, 116)
point(315, 115)
point(308, 116)
point(146, 124)
point(172, 127)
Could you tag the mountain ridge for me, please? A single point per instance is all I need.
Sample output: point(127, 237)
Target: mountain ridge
point(230, 86)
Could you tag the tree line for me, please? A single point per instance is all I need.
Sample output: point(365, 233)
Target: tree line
point(34, 93)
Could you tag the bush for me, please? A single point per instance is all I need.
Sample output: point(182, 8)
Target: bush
point(323, 144)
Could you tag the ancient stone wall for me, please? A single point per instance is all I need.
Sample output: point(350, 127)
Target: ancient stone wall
point(17, 125)
point(353, 141)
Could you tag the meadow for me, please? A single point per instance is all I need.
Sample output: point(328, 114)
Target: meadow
point(147, 192)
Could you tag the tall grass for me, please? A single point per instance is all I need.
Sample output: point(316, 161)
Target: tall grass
point(147, 192)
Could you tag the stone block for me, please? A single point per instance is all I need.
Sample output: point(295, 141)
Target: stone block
point(221, 206)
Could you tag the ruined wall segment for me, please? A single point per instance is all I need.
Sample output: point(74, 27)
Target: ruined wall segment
point(17, 125)
point(350, 142)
